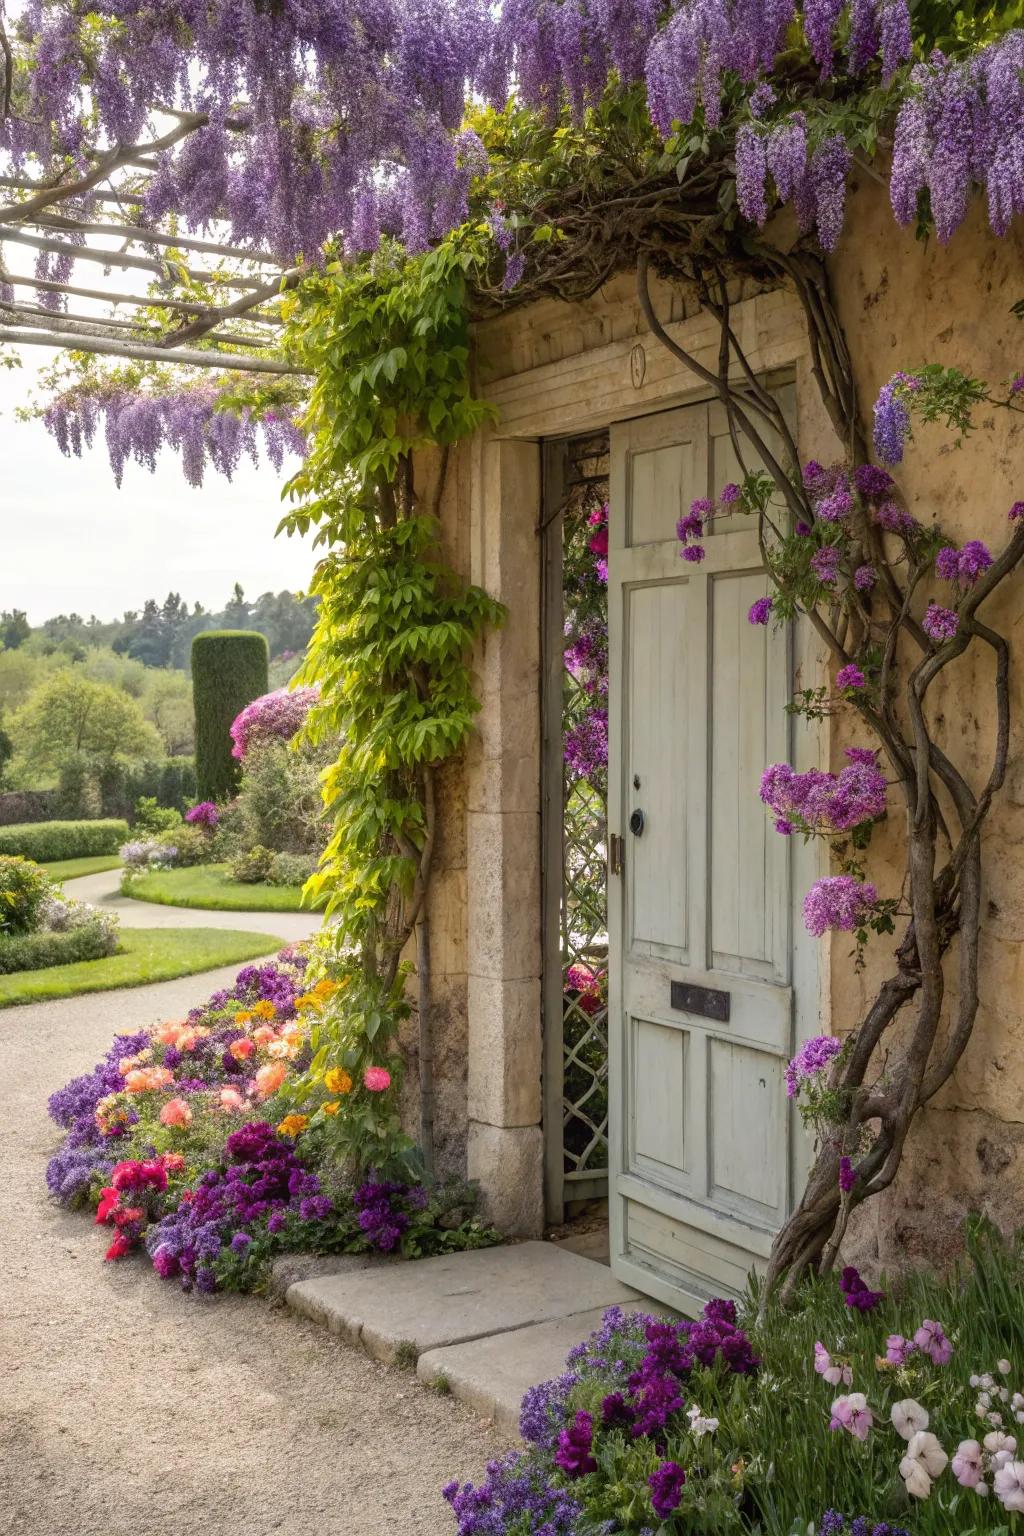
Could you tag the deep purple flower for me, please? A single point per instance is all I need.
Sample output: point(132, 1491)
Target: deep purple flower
point(751, 174)
point(760, 611)
point(847, 1175)
point(729, 494)
point(850, 676)
point(839, 902)
point(694, 553)
point(856, 1294)
point(973, 559)
point(864, 578)
point(615, 1412)
point(825, 564)
point(872, 483)
point(205, 814)
point(1016, 512)
point(892, 420)
point(574, 1447)
point(666, 1485)
point(802, 529)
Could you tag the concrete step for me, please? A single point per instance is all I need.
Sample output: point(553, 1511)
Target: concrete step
point(491, 1322)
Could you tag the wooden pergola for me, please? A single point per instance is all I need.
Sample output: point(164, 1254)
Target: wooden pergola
point(198, 290)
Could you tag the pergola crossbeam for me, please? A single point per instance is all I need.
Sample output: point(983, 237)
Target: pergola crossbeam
point(107, 346)
point(123, 259)
point(146, 236)
point(95, 325)
point(139, 301)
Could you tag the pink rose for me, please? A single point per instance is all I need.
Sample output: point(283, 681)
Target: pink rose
point(377, 1079)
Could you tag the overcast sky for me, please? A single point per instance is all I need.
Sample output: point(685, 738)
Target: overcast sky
point(71, 541)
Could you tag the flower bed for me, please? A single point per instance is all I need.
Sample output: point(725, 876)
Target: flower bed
point(180, 1141)
point(855, 1414)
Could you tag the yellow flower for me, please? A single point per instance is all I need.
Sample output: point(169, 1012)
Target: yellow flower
point(264, 1010)
point(292, 1125)
point(331, 1107)
point(337, 1080)
point(326, 987)
point(243, 1018)
point(308, 1000)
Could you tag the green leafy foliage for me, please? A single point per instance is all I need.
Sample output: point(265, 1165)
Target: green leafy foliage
point(23, 889)
point(42, 951)
point(229, 670)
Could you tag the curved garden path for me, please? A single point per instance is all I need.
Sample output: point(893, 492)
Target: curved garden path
point(129, 1409)
point(104, 890)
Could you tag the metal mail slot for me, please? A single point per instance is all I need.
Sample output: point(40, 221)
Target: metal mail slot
point(703, 1000)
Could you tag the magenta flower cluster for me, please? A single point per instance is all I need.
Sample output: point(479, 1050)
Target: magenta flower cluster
point(278, 715)
point(205, 814)
point(963, 566)
point(857, 1295)
point(940, 624)
point(827, 802)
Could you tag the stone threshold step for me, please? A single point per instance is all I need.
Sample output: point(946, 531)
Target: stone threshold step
point(490, 1322)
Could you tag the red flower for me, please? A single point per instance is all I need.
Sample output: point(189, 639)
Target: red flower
point(173, 1162)
point(109, 1199)
point(155, 1174)
point(119, 1247)
point(126, 1175)
point(126, 1214)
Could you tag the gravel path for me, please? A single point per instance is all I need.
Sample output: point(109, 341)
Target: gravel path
point(128, 1409)
point(104, 890)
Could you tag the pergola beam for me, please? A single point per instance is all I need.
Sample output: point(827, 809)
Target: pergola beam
point(140, 301)
point(120, 259)
point(144, 236)
point(105, 346)
point(96, 325)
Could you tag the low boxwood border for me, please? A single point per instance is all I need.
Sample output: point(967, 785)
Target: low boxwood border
point(47, 841)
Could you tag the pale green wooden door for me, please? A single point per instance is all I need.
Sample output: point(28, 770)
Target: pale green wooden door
point(700, 915)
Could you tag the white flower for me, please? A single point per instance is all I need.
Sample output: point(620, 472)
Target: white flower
point(975, 1381)
point(1004, 1394)
point(1008, 1484)
point(699, 1424)
point(908, 1417)
point(998, 1441)
point(987, 1382)
point(1003, 1367)
point(1017, 1400)
point(984, 1400)
point(994, 1418)
point(924, 1460)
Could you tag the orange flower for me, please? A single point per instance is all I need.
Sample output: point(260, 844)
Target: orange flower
point(243, 1018)
point(331, 1107)
point(231, 1101)
point(241, 1050)
point(168, 1034)
point(264, 1010)
point(308, 1000)
point(325, 987)
point(148, 1079)
point(264, 1034)
point(269, 1079)
point(337, 1080)
point(292, 1125)
point(176, 1113)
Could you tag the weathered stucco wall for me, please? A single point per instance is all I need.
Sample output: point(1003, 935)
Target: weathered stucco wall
point(904, 303)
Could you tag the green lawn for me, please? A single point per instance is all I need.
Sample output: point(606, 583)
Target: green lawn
point(208, 886)
point(147, 954)
point(69, 869)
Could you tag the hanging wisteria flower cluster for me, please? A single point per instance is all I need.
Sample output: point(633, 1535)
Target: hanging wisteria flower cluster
point(270, 88)
point(136, 426)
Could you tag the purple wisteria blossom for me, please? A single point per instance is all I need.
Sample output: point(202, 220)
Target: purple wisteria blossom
point(813, 1057)
point(825, 564)
point(828, 802)
point(760, 611)
point(940, 624)
point(838, 902)
point(892, 419)
point(864, 578)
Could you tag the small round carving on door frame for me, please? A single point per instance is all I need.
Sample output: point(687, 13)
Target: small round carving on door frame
point(637, 365)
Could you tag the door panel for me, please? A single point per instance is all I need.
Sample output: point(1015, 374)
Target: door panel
point(700, 1171)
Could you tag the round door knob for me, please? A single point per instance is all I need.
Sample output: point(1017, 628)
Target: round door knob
point(636, 822)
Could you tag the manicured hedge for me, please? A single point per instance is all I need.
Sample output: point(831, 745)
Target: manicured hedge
point(39, 951)
point(46, 841)
point(86, 791)
point(18, 805)
point(230, 668)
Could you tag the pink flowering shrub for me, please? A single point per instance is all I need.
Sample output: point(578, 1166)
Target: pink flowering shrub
point(279, 714)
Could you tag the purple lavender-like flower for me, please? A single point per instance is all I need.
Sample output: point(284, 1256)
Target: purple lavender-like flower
point(940, 624)
point(751, 174)
point(864, 578)
point(830, 166)
point(837, 505)
point(973, 559)
point(892, 419)
point(894, 518)
point(811, 1059)
point(825, 564)
point(762, 99)
point(847, 1175)
point(666, 1485)
point(729, 494)
point(760, 611)
point(205, 814)
point(839, 902)
point(693, 553)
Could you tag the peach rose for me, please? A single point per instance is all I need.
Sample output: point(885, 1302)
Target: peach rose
point(269, 1079)
point(176, 1113)
point(264, 1034)
point(241, 1050)
point(231, 1101)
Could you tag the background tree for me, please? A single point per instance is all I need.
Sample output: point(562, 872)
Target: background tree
point(70, 718)
point(14, 629)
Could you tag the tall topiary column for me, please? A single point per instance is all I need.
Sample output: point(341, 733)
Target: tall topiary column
point(229, 670)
